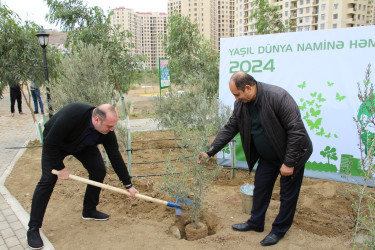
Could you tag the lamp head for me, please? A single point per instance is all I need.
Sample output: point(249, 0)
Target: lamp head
point(42, 38)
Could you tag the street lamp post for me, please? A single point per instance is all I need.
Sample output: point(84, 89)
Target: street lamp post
point(43, 41)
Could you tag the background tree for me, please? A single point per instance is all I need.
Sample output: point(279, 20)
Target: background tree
point(190, 54)
point(83, 77)
point(268, 18)
point(21, 57)
point(91, 26)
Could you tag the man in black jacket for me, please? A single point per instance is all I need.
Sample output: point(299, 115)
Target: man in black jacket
point(76, 130)
point(272, 134)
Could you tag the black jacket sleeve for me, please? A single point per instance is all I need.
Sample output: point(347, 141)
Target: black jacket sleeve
point(111, 146)
point(226, 134)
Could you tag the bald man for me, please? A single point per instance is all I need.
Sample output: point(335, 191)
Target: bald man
point(76, 130)
point(274, 136)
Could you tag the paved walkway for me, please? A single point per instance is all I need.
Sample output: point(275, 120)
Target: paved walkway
point(16, 132)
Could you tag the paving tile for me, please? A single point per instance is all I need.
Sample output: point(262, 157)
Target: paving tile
point(12, 218)
point(20, 233)
point(7, 212)
point(6, 233)
point(12, 241)
point(4, 225)
point(18, 247)
point(16, 225)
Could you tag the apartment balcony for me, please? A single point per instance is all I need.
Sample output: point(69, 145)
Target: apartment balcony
point(293, 6)
point(315, 11)
point(315, 2)
point(350, 20)
point(351, 10)
point(314, 27)
point(315, 20)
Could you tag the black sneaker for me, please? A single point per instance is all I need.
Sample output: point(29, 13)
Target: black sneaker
point(36, 112)
point(94, 215)
point(33, 238)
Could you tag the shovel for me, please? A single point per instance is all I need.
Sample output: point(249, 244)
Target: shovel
point(122, 191)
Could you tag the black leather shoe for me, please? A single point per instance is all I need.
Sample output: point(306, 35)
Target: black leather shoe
point(271, 239)
point(33, 238)
point(94, 215)
point(243, 227)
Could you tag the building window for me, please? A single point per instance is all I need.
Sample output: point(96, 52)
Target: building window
point(307, 10)
point(323, 16)
point(286, 13)
point(335, 16)
point(323, 7)
point(307, 1)
point(300, 20)
point(286, 4)
point(307, 19)
point(301, 2)
point(322, 26)
point(335, 6)
point(301, 11)
point(334, 26)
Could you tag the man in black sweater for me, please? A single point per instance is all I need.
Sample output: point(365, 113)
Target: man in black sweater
point(76, 130)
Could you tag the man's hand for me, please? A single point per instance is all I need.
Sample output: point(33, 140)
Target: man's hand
point(286, 171)
point(201, 156)
point(132, 192)
point(63, 174)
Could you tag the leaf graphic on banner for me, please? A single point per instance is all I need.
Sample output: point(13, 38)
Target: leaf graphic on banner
point(329, 135)
point(321, 132)
point(303, 85)
point(310, 102)
point(330, 84)
point(314, 113)
point(320, 98)
point(303, 107)
point(318, 106)
point(336, 136)
point(314, 125)
point(313, 94)
point(339, 98)
point(306, 116)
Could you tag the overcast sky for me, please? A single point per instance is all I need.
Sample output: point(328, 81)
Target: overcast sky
point(35, 10)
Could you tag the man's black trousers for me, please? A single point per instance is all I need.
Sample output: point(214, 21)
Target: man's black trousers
point(265, 178)
point(91, 159)
point(15, 96)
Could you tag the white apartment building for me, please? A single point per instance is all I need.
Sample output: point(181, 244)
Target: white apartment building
point(309, 14)
point(147, 29)
point(229, 18)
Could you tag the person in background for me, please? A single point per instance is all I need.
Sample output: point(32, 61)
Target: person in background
point(35, 93)
point(15, 95)
point(272, 134)
point(76, 130)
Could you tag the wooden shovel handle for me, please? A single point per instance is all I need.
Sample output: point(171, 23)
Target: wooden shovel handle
point(115, 189)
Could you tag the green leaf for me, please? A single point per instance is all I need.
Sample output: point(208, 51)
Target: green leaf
point(303, 85)
point(314, 113)
point(339, 98)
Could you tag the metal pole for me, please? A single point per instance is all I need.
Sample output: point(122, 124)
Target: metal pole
point(50, 113)
point(233, 157)
point(128, 133)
